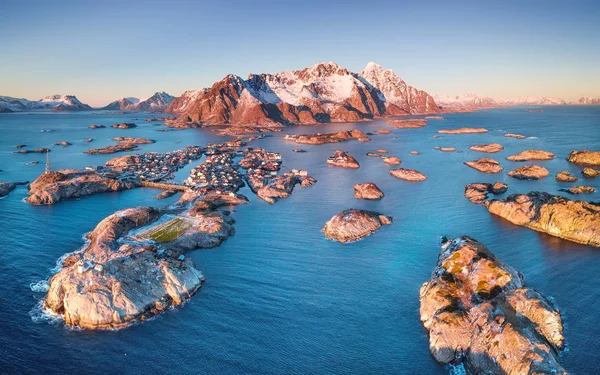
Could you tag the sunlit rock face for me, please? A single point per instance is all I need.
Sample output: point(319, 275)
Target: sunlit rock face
point(478, 312)
point(576, 221)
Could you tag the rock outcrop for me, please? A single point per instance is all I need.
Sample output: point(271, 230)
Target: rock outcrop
point(343, 160)
point(576, 221)
point(408, 174)
point(50, 188)
point(529, 172)
point(581, 189)
point(485, 165)
point(565, 176)
point(479, 313)
point(391, 160)
point(585, 157)
point(7, 187)
point(113, 284)
point(353, 224)
point(517, 136)
point(124, 144)
point(590, 172)
point(367, 190)
point(463, 131)
point(407, 124)
point(489, 148)
point(322, 138)
point(531, 155)
point(124, 125)
point(478, 192)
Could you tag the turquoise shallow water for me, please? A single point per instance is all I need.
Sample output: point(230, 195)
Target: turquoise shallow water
point(279, 297)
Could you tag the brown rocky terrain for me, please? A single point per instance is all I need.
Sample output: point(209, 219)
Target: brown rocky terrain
point(478, 192)
point(408, 174)
point(124, 125)
point(585, 157)
point(478, 312)
point(576, 221)
point(529, 172)
point(322, 138)
point(590, 172)
point(531, 155)
point(97, 126)
point(7, 187)
point(353, 224)
point(111, 284)
point(124, 144)
point(489, 148)
point(518, 136)
point(581, 189)
point(343, 160)
point(50, 188)
point(445, 149)
point(463, 131)
point(34, 151)
point(407, 124)
point(63, 143)
point(565, 176)
point(391, 160)
point(367, 190)
point(485, 165)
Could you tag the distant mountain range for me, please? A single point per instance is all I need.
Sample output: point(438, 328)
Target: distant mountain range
point(49, 103)
point(324, 92)
point(156, 103)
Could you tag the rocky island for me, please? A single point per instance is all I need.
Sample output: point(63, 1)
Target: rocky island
point(512, 135)
point(407, 124)
point(529, 172)
point(489, 148)
point(581, 189)
point(479, 313)
point(576, 221)
point(590, 172)
point(367, 190)
point(565, 176)
point(408, 174)
point(531, 155)
point(7, 187)
point(343, 160)
point(124, 144)
point(322, 138)
point(124, 125)
point(353, 224)
point(52, 187)
point(478, 192)
point(585, 157)
point(485, 165)
point(463, 131)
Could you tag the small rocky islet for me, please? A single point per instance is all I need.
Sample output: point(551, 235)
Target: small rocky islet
point(478, 312)
point(367, 190)
point(354, 224)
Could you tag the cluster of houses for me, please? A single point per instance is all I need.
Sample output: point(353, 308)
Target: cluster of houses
point(217, 172)
point(154, 166)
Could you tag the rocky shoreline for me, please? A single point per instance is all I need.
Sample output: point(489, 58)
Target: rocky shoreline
point(576, 221)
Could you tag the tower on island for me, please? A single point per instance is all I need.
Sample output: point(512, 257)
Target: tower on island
point(48, 169)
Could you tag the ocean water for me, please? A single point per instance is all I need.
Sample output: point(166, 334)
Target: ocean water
point(279, 297)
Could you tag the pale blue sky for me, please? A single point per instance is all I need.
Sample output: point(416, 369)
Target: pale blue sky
point(104, 50)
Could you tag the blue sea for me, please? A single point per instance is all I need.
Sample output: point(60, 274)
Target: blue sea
point(280, 298)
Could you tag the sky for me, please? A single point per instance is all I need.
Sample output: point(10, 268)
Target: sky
point(104, 50)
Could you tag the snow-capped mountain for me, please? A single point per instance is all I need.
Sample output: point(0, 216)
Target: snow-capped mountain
point(49, 103)
point(533, 100)
point(587, 101)
point(155, 103)
point(465, 102)
point(181, 103)
point(325, 92)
